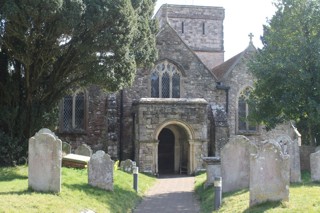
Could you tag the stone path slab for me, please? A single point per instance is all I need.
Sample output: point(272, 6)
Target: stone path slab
point(170, 194)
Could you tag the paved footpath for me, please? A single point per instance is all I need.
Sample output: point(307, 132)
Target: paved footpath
point(170, 194)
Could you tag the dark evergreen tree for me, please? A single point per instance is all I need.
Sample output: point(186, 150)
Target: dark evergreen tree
point(49, 47)
point(287, 69)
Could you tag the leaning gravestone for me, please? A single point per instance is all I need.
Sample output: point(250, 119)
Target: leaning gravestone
point(83, 149)
point(235, 163)
point(45, 153)
point(269, 174)
point(315, 166)
point(291, 148)
point(100, 171)
point(127, 165)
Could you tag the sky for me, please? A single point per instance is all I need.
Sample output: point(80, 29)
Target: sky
point(242, 17)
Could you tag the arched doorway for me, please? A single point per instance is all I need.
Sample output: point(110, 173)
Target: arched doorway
point(166, 151)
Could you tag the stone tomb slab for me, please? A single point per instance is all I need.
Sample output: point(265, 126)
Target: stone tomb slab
point(75, 161)
point(269, 174)
point(213, 169)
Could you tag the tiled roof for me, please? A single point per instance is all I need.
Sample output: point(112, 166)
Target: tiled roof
point(220, 70)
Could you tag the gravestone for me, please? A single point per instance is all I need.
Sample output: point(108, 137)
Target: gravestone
point(127, 165)
point(269, 174)
point(66, 148)
point(83, 149)
point(291, 148)
point(100, 171)
point(213, 169)
point(317, 148)
point(235, 163)
point(315, 166)
point(45, 153)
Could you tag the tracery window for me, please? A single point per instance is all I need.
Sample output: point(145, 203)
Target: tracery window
point(244, 126)
point(165, 81)
point(73, 112)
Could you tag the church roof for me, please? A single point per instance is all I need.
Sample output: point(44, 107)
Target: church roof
point(223, 69)
point(220, 70)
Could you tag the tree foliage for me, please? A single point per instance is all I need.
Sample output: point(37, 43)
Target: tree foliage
point(287, 68)
point(49, 47)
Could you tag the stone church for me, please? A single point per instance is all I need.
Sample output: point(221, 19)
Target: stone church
point(184, 108)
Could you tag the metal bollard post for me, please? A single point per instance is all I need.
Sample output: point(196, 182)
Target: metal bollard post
point(217, 192)
point(135, 178)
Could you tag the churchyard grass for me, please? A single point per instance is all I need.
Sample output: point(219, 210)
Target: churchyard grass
point(76, 195)
point(304, 197)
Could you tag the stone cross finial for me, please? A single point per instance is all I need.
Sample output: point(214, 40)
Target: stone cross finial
point(251, 36)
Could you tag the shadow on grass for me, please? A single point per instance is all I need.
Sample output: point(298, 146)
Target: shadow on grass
point(9, 174)
point(21, 192)
point(264, 207)
point(26, 192)
point(119, 200)
point(233, 193)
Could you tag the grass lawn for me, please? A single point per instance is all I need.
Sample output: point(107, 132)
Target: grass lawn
point(76, 195)
point(304, 197)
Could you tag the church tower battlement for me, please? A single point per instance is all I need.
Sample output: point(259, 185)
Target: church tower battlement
point(200, 27)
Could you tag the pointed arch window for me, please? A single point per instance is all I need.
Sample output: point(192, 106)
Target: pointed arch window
point(165, 81)
point(73, 112)
point(244, 126)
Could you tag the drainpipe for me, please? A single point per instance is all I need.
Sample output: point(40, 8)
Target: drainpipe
point(133, 136)
point(221, 86)
point(121, 124)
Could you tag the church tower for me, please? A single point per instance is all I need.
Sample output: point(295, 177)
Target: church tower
point(200, 27)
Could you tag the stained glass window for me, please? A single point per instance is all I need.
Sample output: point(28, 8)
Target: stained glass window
point(165, 81)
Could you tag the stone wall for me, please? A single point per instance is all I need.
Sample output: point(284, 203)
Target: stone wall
point(305, 152)
point(102, 126)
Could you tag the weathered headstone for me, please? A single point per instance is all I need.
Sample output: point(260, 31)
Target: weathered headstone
point(315, 166)
point(66, 148)
point(213, 169)
point(291, 148)
point(45, 153)
point(317, 149)
point(84, 149)
point(127, 165)
point(235, 166)
point(269, 174)
point(100, 171)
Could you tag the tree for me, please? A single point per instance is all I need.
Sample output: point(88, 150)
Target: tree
point(49, 47)
point(287, 69)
